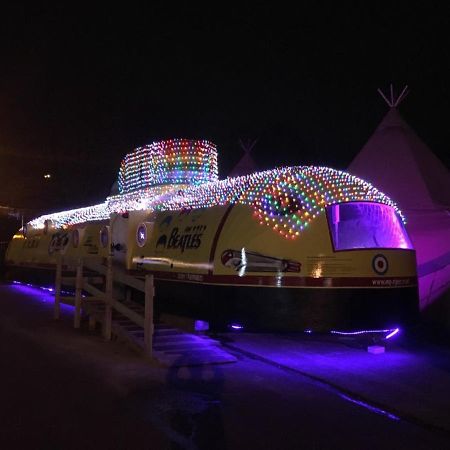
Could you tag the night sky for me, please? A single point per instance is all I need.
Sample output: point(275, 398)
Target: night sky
point(79, 88)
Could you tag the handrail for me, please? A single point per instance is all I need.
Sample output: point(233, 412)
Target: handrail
point(112, 276)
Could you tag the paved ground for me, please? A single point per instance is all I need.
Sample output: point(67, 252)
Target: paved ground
point(410, 380)
point(62, 388)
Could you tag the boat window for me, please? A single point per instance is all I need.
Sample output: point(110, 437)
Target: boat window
point(366, 225)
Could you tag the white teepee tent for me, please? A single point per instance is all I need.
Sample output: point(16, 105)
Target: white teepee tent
point(399, 163)
point(246, 164)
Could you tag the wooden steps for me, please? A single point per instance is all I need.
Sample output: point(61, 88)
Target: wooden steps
point(171, 347)
point(131, 321)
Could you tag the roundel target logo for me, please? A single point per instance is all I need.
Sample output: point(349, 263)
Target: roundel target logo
point(380, 264)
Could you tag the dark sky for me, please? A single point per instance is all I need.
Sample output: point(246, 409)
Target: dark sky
point(81, 87)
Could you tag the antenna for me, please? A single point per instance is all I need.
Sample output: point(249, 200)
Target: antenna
point(393, 102)
point(248, 145)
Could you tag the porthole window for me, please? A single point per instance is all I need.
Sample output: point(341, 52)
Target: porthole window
point(104, 237)
point(141, 235)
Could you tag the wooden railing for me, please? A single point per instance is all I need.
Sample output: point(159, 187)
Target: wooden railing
point(85, 283)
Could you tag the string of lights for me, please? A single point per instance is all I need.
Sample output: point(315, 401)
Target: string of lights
point(286, 199)
point(175, 161)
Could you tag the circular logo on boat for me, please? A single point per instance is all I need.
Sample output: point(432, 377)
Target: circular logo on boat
point(380, 264)
point(75, 238)
point(141, 235)
point(104, 237)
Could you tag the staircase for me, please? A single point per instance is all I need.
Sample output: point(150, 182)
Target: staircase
point(170, 346)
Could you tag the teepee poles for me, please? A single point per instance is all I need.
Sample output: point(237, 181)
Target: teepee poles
point(393, 102)
point(248, 145)
point(402, 96)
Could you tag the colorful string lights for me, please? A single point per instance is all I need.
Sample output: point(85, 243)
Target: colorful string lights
point(286, 199)
point(176, 161)
point(182, 174)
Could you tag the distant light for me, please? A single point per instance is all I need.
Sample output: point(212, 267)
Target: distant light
point(47, 176)
point(236, 326)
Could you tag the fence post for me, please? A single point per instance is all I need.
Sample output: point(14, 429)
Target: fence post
point(148, 315)
point(57, 308)
point(78, 289)
point(108, 300)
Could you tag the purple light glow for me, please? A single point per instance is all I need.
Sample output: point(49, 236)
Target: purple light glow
point(393, 333)
point(320, 370)
point(356, 333)
point(49, 289)
point(369, 407)
point(236, 326)
point(201, 325)
point(366, 225)
point(28, 288)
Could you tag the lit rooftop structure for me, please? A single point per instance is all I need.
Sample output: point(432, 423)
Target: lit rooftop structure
point(175, 161)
